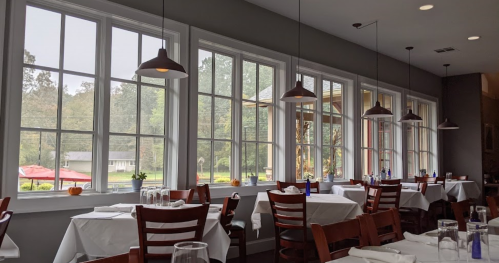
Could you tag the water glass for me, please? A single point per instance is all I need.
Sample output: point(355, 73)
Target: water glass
point(448, 176)
point(143, 195)
point(482, 213)
point(448, 241)
point(477, 242)
point(164, 196)
point(116, 188)
point(190, 252)
point(151, 196)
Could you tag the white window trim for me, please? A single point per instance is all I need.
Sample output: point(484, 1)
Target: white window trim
point(177, 141)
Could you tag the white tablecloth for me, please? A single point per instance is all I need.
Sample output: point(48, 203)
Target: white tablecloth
point(9, 249)
point(434, 192)
point(109, 237)
point(408, 197)
point(462, 190)
point(494, 226)
point(427, 253)
point(321, 209)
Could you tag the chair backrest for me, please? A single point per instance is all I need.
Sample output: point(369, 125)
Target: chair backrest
point(4, 223)
point(430, 180)
point(186, 195)
point(390, 196)
point(329, 234)
point(301, 186)
point(382, 220)
point(284, 204)
point(461, 213)
point(131, 257)
point(440, 180)
point(422, 187)
point(371, 203)
point(204, 193)
point(493, 201)
point(391, 181)
point(4, 204)
point(460, 177)
point(355, 182)
point(228, 212)
point(148, 216)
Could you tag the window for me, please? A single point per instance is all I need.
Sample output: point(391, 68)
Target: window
point(58, 94)
point(305, 132)
point(420, 139)
point(385, 134)
point(367, 136)
point(132, 162)
point(332, 128)
point(110, 162)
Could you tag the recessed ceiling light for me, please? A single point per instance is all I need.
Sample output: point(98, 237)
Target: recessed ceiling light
point(426, 7)
point(474, 38)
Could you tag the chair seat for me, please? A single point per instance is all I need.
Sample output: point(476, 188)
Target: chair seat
point(297, 235)
point(238, 225)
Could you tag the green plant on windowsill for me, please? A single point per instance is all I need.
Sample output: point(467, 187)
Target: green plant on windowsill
point(141, 176)
point(137, 180)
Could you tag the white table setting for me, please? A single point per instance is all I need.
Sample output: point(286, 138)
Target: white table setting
point(462, 190)
point(434, 192)
point(104, 234)
point(321, 209)
point(9, 249)
point(408, 197)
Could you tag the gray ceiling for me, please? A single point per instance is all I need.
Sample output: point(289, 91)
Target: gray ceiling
point(401, 24)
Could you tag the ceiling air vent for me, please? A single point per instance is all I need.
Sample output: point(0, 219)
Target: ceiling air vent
point(443, 50)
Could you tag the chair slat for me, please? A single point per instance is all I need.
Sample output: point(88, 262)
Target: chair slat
point(170, 230)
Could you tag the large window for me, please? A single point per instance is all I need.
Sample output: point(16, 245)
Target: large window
point(420, 153)
point(332, 128)
point(305, 132)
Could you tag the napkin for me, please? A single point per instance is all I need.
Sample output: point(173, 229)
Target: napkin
point(235, 195)
point(178, 203)
point(134, 213)
point(432, 241)
point(291, 190)
point(382, 256)
point(123, 209)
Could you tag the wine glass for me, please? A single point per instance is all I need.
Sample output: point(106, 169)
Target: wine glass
point(190, 252)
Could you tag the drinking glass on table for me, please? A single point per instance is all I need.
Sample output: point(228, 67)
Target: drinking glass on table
point(477, 242)
point(190, 252)
point(151, 195)
point(448, 241)
point(143, 195)
point(482, 213)
point(165, 196)
point(448, 176)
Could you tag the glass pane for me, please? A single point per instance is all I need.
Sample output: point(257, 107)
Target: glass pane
point(123, 106)
point(326, 129)
point(337, 98)
point(248, 161)
point(366, 100)
point(337, 155)
point(387, 102)
point(411, 163)
point(367, 162)
point(223, 119)
point(385, 160)
point(308, 159)
point(266, 84)
point(327, 166)
point(151, 160)
point(78, 103)
point(308, 127)
point(326, 96)
point(203, 162)
point(410, 138)
point(309, 83)
point(265, 123)
point(76, 160)
point(424, 113)
point(337, 135)
point(385, 135)
point(124, 58)
point(152, 110)
point(424, 162)
point(249, 80)
point(150, 47)
point(223, 75)
point(40, 95)
point(36, 155)
point(299, 127)
point(42, 37)
point(205, 71)
point(424, 140)
point(410, 105)
point(121, 162)
point(367, 133)
point(299, 164)
point(80, 45)
point(222, 163)
point(204, 116)
point(249, 122)
point(265, 161)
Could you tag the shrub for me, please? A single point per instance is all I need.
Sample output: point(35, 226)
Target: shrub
point(27, 187)
point(262, 179)
point(222, 180)
point(45, 187)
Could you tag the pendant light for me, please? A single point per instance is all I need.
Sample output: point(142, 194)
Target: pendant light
point(410, 117)
point(377, 111)
point(161, 66)
point(447, 125)
point(299, 93)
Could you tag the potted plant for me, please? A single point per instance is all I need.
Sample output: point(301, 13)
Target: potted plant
point(253, 179)
point(330, 173)
point(137, 181)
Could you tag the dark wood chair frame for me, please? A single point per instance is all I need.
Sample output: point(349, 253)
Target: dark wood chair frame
point(4, 224)
point(389, 196)
point(186, 195)
point(204, 193)
point(382, 220)
point(391, 182)
point(355, 182)
point(228, 212)
point(493, 202)
point(371, 202)
point(461, 210)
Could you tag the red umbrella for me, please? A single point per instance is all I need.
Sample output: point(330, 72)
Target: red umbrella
point(49, 174)
point(31, 169)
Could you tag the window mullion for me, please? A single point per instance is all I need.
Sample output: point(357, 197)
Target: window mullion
point(139, 100)
point(213, 66)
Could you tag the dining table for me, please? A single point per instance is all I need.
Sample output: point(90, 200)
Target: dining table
point(434, 192)
point(321, 209)
point(9, 249)
point(100, 234)
point(462, 190)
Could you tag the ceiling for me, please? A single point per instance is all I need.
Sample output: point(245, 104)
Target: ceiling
point(402, 24)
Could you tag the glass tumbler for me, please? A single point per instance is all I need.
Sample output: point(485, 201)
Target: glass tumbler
point(448, 241)
point(143, 195)
point(151, 196)
point(482, 213)
point(477, 242)
point(165, 196)
point(448, 176)
point(190, 252)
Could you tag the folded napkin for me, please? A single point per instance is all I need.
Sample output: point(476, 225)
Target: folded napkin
point(123, 209)
point(291, 190)
point(382, 256)
point(432, 241)
point(235, 196)
point(213, 209)
point(178, 203)
point(134, 213)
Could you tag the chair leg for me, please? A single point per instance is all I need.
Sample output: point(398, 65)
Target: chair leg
point(276, 250)
point(242, 246)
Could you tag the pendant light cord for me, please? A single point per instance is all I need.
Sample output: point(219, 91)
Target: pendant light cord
point(377, 61)
point(163, 27)
point(409, 72)
point(299, 33)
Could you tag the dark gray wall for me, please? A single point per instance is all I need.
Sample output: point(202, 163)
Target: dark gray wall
point(462, 152)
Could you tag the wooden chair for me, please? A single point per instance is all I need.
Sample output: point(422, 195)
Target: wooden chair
point(376, 224)
point(148, 215)
point(412, 217)
point(430, 180)
point(460, 177)
point(390, 196)
point(131, 257)
point(4, 204)
point(291, 232)
point(330, 234)
point(493, 201)
point(355, 182)
point(371, 203)
point(204, 193)
point(186, 195)
point(4, 223)
point(236, 229)
point(301, 186)
point(461, 213)
point(391, 182)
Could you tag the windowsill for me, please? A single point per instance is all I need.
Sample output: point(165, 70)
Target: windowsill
point(222, 191)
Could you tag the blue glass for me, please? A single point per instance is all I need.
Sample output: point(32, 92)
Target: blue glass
point(372, 180)
point(307, 188)
point(389, 174)
point(476, 248)
point(434, 174)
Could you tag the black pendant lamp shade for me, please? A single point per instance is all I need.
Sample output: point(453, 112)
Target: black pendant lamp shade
point(447, 125)
point(377, 111)
point(298, 94)
point(161, 66)
point(410, 117)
